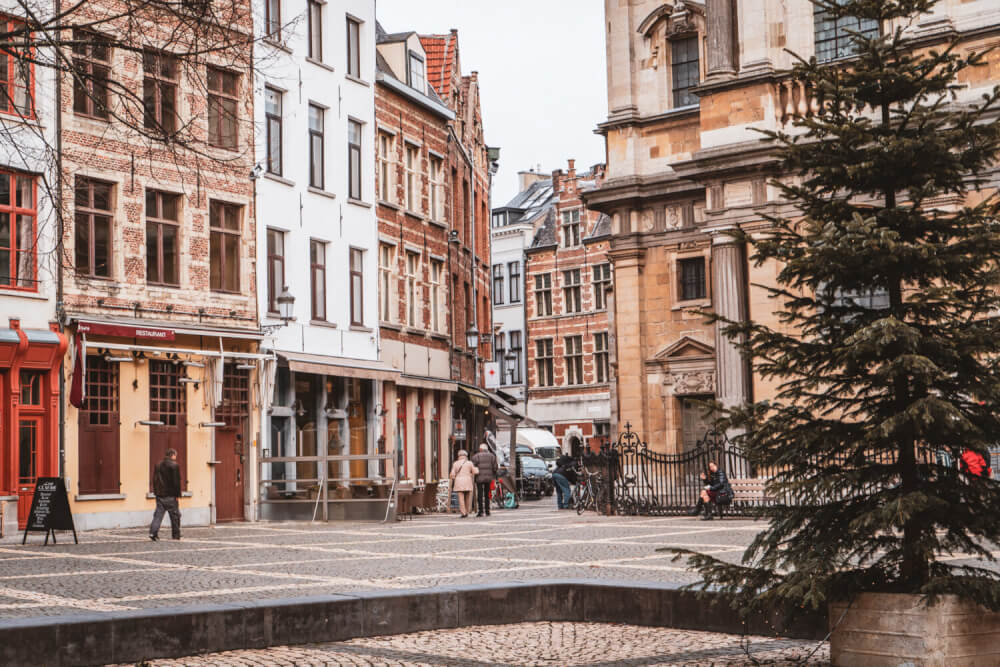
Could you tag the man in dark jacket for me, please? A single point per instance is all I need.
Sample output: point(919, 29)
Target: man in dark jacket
point(563, 476)
point(488, 471)
point(167, 489)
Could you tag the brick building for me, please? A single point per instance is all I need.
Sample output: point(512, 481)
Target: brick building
point(567, 280)
point(159, 282)
point(469, 168)
point(414, 212)
point(689, 85)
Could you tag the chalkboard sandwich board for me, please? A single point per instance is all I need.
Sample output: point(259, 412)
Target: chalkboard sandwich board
point(49, 510)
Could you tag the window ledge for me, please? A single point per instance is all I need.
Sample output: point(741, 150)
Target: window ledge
point(321, 192)
point(276, 44)
point(414, 331)
point(439, 336)
point(390, 326)
point(362, 329)
point(692, 303)
point(356, 80)
point(358, 202)
point(413, 214)
point(436, 223)
point(320, 63)
point(323, 323)
point(99, 496)
point(389, 204)
point(279, 179)
point(25, 294)
point(184, 494)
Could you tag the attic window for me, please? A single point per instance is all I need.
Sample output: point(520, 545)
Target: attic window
point(417, 75)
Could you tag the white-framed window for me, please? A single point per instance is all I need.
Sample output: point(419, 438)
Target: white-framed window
point(386, 268)
point(417, 73)
point(436, 211)
point(386, 166)
point(437, 300)
point(412, 166)
point(571, 229)
point(412, 289)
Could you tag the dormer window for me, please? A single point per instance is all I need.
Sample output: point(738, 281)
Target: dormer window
point(417, 73)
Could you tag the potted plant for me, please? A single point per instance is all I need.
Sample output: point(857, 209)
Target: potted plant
point(885, 351)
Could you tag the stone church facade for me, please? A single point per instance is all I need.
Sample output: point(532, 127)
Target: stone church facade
point(689, 86)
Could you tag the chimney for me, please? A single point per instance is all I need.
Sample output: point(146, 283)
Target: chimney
point(527, 178)
point(572, 169)
point(557, 177)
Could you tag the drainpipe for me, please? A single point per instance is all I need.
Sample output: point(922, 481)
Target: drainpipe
point(58, 248)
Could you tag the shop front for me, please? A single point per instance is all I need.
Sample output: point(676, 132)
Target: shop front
point(137, 389)
point(324, 456)
point(29, 414)
point(471, 419)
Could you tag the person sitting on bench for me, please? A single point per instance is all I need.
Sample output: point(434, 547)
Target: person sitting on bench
point(716, 494)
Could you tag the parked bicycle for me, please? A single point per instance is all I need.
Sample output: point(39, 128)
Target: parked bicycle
point(586, 494)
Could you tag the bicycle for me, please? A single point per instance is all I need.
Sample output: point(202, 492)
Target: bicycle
point(503, 496)
point(585, 495)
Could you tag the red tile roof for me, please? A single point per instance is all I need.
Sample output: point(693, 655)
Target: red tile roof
point(440, 51)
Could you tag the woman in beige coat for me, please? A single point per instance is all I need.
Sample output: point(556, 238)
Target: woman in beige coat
point(463, 477)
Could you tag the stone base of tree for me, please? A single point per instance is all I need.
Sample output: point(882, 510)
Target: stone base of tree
point(882, 629)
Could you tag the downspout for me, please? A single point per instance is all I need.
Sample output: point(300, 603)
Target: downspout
point(59, 255)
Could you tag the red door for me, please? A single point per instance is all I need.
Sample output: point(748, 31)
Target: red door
point(28, 437)
point(229, 485)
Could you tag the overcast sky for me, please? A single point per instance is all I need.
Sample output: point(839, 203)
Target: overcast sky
point(542, 74)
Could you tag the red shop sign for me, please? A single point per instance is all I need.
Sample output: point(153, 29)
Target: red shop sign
point(123, 331)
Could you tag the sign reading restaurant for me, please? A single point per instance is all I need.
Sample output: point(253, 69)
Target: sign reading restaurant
point(125, 331)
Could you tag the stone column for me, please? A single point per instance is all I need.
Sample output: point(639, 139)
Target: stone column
point(720, 16)
point(729, 300)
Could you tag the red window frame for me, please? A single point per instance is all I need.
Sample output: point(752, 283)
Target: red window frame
point(12, 248)
point(11, 25)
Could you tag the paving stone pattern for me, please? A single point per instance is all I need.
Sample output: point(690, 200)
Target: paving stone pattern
point(527, 644)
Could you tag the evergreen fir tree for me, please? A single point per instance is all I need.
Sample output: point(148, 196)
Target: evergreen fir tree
point(888, 349)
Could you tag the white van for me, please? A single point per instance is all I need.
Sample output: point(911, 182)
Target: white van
point(537, 440)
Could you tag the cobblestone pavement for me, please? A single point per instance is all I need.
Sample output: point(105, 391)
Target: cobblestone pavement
point(535, 644)
point(115, 570)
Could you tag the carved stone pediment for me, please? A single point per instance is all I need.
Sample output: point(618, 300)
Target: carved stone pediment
point(678, 14)
point(687, 367)
point(685, 347)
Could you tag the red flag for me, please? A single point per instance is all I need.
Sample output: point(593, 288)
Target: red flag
point(78, 391)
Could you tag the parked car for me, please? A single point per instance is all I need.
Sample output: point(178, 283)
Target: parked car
point(536, 480)
point(550, 454)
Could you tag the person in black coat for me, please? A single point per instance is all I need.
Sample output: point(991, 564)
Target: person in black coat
point(716, 493)
point(167, 489)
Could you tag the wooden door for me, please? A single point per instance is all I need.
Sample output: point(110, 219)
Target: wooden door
point(100, 430)
point(29, 432)
point(229, 475)
point(167, 404)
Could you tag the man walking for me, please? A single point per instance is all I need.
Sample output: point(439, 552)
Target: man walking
point(488, 471)
point(167, 489)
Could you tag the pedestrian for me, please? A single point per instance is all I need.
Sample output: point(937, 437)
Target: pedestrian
point(563, 476)
point(463, 477)
point(717, 492)
point(486, 463)
point(167, 489)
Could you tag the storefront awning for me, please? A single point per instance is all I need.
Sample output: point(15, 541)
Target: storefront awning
point(503, 407)
point(475, 396)
point(319, 364)
point(159, 330)
point(425, 383)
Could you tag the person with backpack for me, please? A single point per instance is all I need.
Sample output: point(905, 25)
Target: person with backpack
point(563, 476)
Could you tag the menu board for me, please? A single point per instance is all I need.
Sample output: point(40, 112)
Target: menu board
point(49, 510)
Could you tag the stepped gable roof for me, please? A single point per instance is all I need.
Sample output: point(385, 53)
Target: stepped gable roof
point(440, 50)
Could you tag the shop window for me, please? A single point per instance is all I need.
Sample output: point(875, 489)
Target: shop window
point(18, 229)
point(91, 67)
point(159, 92)
point(162, 238)
point(31, 388)
point(93, 222)
point(224, 220)
point(223, 89)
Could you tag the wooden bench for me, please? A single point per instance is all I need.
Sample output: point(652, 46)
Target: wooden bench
point(749, 490)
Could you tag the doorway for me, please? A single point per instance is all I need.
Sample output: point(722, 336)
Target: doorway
point(695, 421)
point(228, 475)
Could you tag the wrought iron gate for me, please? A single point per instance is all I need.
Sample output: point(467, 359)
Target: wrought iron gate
point(650, 483)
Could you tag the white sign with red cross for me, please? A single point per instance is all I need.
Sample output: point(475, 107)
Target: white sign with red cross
point(491, 369)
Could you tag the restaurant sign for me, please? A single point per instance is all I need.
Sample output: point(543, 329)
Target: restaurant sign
point(125, 331)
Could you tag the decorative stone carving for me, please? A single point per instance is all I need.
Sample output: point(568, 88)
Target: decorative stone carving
point(674, 219)
point(690, 383)
point(646, 218)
